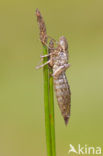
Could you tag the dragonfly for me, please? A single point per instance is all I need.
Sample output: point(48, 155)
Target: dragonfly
point(58, 61)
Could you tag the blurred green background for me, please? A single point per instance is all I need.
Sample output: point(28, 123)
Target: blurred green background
point(22, 130)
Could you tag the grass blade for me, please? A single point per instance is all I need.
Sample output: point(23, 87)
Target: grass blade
point(52, 120)
point(46, 105)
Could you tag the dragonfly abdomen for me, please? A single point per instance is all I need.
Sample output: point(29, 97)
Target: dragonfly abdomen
point(63, 95)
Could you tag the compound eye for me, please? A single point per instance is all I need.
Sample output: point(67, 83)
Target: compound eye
point(63, 43)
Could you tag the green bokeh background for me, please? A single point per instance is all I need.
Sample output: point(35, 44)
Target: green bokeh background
point(22, 130)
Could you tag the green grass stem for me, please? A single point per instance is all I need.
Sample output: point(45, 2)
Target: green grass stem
point(46, 104)
point(49, 107)
point(52, 120)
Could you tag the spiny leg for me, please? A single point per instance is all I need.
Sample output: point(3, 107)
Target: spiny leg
point(60, 70)
point(42, 56)
point(38, 67)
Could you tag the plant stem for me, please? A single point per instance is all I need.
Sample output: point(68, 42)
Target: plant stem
point(51, 103)
point(46, 104)
point(48, 91)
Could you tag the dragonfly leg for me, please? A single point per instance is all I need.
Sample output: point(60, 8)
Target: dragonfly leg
point(42, 56)
point(60, 70)
point(38, 67)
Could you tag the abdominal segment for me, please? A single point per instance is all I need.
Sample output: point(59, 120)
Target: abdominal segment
point(63, 95)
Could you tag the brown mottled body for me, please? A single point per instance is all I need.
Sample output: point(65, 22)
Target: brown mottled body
point(58, 60)
point(59, 63)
